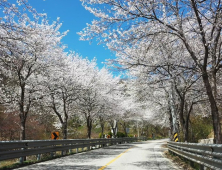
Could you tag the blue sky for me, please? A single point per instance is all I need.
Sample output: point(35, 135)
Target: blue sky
point(74, 18)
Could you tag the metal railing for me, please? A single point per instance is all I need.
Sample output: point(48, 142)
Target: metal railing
point(20, 149)
point(206, 155)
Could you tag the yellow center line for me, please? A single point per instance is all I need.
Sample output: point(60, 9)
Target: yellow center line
point(114, 159)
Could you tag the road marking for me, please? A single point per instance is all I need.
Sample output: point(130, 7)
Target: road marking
point(114, 159)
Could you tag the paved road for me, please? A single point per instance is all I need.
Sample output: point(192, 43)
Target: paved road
point(135, 156)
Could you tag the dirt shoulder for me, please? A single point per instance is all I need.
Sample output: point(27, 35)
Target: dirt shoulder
point(181, 164)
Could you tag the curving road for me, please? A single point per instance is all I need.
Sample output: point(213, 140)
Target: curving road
point(134, 156)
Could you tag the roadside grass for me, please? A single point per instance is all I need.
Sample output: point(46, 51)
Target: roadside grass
point(6, 164)
point(178, 161)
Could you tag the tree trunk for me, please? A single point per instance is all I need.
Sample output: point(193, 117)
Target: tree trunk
point(22, 113)
point(214, 84)
point(22, 134)
point(22, 131)
point(102, 124)
point(114, 132)
point(102, 129)
point(186, 129)
point(64, 129)
point(171, 124)
point(186, 132)
point(89, 127)
point(115, 126)
point(181, 115)
point(173, 112)
point(124, 127)
point(214, 109)
point(147, 130)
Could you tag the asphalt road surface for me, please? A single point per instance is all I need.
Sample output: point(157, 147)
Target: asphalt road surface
point(131, 156)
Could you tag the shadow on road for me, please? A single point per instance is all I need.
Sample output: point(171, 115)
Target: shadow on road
point(84, 160)
point(62, 167)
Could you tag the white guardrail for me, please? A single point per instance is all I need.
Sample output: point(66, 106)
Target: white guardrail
point(22, 148)
point(206, 155)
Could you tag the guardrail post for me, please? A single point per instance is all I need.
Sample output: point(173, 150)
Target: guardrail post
point(191, 163)
point(38, 156)
point(21, 159)
point(52, 154)
point(70, 151)
point(202, 167)
point(76, 150)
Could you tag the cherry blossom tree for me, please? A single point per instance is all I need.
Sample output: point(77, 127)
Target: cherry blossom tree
point(96, 96)
point(64, 86)
point(169, 80)
point(194, 25)
point(24, 57)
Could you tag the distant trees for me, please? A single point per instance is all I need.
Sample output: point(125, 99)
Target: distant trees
point(96, 100)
